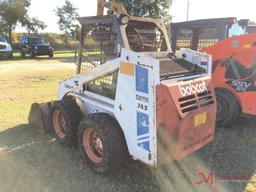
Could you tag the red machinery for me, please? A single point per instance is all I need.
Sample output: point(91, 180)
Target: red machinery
point(234, 61)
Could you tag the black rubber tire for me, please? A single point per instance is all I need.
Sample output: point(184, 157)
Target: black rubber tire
point(72, 117)
point(113, 142)
point(50, 55)
point(228, 108)
point(10, 55)
point(22, 54)
point(31, 54)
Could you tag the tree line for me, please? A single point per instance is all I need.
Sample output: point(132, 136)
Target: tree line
point(14, 12)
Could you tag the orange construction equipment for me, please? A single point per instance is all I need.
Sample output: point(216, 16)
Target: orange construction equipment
point(234, 61)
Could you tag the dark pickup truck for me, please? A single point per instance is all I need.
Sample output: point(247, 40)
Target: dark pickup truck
point(35, 46)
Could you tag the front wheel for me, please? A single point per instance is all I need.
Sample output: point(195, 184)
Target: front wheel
point(66, 116)
point(31, 54)
point(10, 55)
point(101, 143)
point(228, 108)
point(51, 55)
point(22, 54)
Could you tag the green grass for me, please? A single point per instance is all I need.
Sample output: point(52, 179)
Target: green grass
point(66, 55)
point(25, 81)
point(22, 148)
point(22, 84)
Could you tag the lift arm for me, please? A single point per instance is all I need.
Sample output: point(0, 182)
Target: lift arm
point(114, 5)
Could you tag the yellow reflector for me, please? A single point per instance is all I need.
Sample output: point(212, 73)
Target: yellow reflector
point(200, 119)
point(247, 46)
point(127, 69)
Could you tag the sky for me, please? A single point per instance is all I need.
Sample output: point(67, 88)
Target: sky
point(199, 9)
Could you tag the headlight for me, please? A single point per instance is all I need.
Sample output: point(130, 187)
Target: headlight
point(124, 19)
point(36, 47)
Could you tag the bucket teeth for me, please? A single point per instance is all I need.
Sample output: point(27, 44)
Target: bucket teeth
point(40, 116)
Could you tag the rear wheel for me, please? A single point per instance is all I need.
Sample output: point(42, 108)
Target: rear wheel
point(101, 143)
point(10, 55)
point(66, 116)
point(22, 53)
point(31, 54)
point(228, 108)
point(51, 55)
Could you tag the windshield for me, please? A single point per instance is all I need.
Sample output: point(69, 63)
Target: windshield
point(236, 30)
point(145, 37)
point(2, 39)
point(35, 41)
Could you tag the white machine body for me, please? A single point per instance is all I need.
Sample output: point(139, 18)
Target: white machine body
point(134, 106)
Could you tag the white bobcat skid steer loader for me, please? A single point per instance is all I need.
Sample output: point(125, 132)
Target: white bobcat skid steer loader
point(133, 97)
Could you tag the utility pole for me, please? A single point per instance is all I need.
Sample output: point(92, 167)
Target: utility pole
point(188, 10)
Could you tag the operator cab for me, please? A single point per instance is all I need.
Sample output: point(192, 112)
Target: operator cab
point(200, 34)
point(236, 28)
point(103, 38)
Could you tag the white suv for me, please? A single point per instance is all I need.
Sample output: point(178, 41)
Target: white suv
point(5, 48)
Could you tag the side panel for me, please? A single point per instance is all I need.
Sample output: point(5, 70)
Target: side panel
point(186, 118)
point(234, 68)
point(135, 107)
point(228, 48)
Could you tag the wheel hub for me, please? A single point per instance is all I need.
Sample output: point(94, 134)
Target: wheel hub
point(59, 124)
point(93, 145)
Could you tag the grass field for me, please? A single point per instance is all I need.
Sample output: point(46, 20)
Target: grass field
point(21, 84)
point(21, 147)
point(64, 55)
point(32, 162)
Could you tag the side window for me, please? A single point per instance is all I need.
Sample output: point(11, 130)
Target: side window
point(99, 45)
point(207, 37)
point(184, 38)
point(104, 86)
point(25, 40)
point(145, 37)
point(236, 30)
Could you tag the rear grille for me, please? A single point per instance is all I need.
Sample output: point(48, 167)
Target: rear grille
point(206, 100)
point(43, 48)
point(169, 67)
point(2, 46)
point(193, 102)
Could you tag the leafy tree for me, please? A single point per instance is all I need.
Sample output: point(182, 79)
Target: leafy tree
point(33, 24)
point(12, 12)
point(67, 17)
point(158, 9)
point(3, 26)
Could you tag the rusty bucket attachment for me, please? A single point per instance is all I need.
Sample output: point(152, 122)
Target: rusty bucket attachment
point(40, 116)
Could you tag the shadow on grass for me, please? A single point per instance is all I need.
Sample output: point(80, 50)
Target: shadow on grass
point(56, 168)
point(54, 165)
point(40, 58)
point(65, 56)
point(232, 154)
